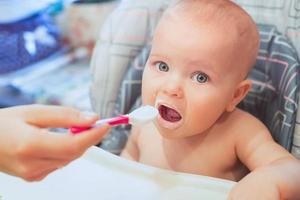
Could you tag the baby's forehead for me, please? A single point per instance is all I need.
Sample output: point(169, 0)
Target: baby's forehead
point(221, 13)
point(224, 17)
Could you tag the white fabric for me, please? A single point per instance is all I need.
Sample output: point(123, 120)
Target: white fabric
point(101, 175)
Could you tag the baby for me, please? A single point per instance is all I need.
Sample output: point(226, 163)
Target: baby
point(201, 54)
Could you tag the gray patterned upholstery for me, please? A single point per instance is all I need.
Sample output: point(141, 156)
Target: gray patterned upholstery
point(274, 95)
point(285, 14)
point(117, 47)
point(296, 141)
point(128, 99)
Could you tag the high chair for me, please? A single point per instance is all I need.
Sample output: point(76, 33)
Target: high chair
point(117, 66)
point(122, 51)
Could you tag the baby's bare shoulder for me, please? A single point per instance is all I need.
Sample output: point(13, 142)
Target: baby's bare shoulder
point(254, 144)
point(248, 131)
point(245, 122)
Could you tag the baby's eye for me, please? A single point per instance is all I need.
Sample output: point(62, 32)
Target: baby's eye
point(200, 77)
point(161, 66)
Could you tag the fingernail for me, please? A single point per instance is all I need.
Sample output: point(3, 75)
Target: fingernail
point(88, 115)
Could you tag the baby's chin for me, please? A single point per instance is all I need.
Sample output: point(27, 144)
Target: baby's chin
point(169, 133)
point(181, 132)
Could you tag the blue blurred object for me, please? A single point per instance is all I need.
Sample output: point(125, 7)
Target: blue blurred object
point(11, 96)
point(28, 40)
point(60, 79)
point(92, 1)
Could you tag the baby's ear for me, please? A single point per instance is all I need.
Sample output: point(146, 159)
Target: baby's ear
point(240, 92)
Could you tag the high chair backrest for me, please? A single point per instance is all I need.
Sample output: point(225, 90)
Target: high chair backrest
point(123, 49)
point(284, 15)
point(273, 97)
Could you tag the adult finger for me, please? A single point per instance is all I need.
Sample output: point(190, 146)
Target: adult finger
point(40, 175)
point(57, 116)
point(93, 136)
point(36, 167)
point(56, 145)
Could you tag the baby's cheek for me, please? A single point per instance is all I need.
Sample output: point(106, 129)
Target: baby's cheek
point(149, 91)
point(205, 113)
point(148, 97)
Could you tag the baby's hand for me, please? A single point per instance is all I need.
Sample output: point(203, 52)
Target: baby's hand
point(256, 185)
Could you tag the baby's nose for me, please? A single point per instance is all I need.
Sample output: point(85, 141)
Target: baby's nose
point(173, 86)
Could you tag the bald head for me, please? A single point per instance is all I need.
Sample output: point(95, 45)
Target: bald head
point(228, 18)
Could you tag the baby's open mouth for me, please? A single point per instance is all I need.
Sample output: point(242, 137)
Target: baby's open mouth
point(169, 114)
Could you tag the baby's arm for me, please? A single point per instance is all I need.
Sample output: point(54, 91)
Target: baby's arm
point(131, 150)
point(275, 173)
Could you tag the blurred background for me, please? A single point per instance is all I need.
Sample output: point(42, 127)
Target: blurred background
point(46, 48)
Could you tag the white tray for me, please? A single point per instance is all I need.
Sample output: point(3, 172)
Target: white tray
point(101, 175)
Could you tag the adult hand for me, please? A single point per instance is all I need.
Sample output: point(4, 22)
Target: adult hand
point(30, 151)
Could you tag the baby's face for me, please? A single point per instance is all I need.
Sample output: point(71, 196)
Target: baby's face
point(189, 76)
